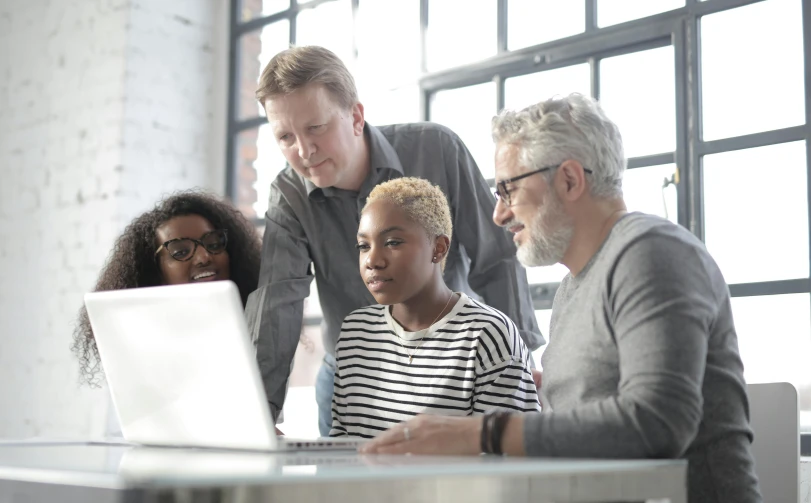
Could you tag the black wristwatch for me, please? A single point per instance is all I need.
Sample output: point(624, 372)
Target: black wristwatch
point(493, 426)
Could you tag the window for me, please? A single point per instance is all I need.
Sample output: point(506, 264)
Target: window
point(619, 11)
point(643, 109)
point(387, 74)
point(255, 8)
point(650, 190)
point(525, 90)
point(772, 329)
point(758, 86)
point(467, 111)
point(328, 24)
point(748, 198)
point(710, 98)
point(459, 33)
point(530, 22)
point(268, 162)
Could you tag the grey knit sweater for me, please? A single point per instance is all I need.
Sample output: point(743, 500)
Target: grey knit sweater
point(643, 363)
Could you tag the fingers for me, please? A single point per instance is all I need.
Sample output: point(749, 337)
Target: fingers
point(390, 437)
point(398, 448)
point(391, 449)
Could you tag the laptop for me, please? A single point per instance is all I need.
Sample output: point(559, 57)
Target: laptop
point(182, 369)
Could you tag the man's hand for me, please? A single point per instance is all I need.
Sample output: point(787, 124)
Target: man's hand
point(429, 435)
point(536, 376)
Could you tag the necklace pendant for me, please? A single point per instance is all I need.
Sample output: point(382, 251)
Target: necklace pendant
point(409, 359)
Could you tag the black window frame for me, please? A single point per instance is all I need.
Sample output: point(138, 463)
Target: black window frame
point(678, 27)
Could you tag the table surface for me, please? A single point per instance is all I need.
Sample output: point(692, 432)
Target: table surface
point(124, 466)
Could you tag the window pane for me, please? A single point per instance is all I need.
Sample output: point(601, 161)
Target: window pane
point(312, 307)
point(258, 162)
point(255, 51)
point(391, 106)
point(460, 32)
point(774, 338)
point(319, 26)
point(386, 74)
point(520, 92)
point(751, 69)
point(523, 25)
point(619, 11)
point(251, 9)
point(643, 108)
point(300, 407)
point(549, 274)
point(756, 212)
point(383, 63)
point(544, 317)
point(468, 112)
point(643, 190)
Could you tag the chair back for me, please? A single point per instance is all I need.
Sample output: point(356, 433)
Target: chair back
point(774, 416)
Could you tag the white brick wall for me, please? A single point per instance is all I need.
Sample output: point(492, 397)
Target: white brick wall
point(105, 106)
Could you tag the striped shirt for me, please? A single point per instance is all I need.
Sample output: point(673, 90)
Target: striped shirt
point(470, 362)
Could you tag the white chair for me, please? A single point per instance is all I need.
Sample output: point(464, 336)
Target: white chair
point(775, 420)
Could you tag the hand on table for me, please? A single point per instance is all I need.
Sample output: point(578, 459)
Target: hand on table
point(429, 435)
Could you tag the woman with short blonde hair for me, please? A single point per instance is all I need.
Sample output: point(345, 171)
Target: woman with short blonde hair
point(423, 348)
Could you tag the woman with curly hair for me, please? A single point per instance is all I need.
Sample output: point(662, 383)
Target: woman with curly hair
point(187, 238)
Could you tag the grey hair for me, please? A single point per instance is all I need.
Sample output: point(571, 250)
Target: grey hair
point(572, 127)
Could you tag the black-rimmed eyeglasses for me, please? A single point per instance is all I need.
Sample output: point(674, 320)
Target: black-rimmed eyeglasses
point(183, 249)
point(501, 191)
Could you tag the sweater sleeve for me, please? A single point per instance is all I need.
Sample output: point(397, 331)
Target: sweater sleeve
point(661, 304)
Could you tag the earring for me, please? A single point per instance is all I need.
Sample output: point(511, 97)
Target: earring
point(434, 259)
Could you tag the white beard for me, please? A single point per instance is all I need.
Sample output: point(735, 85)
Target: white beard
point(549, 236)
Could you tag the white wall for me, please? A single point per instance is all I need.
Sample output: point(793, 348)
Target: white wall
point(105, 106)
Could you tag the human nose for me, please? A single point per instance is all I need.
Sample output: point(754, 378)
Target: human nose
point(201, 255)
point(502, 213)
point(305, 148)
point(375, 258)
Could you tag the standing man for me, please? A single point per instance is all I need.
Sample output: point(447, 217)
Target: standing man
point(334, 161)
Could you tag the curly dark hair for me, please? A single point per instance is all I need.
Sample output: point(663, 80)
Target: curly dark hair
point(131, 263)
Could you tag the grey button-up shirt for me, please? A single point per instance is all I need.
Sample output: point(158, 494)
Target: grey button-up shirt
point(308, 226)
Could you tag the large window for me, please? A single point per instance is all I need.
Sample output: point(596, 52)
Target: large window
point(386, 74)
point(710, 97)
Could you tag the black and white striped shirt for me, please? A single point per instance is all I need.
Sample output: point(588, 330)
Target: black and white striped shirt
point(469, 362)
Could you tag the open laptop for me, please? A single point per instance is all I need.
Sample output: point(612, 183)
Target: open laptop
point(182, 370)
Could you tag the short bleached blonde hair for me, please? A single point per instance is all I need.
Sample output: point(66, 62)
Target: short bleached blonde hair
point(423, 202)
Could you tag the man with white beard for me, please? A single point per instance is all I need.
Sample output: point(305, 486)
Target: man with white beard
point(643, 356)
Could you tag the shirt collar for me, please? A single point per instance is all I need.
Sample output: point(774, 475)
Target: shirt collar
point(382, 156)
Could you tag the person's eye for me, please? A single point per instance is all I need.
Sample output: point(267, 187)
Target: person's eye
point(178, 254)
point(362, 246)
point(393, 242)
point(285, 138)
point(316, 127)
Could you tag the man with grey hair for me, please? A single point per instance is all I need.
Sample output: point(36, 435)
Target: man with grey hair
point(643, 356)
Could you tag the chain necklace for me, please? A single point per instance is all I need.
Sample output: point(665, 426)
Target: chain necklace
point(411, 355)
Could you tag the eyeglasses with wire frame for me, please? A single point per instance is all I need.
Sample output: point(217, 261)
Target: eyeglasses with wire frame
point(503, 194)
